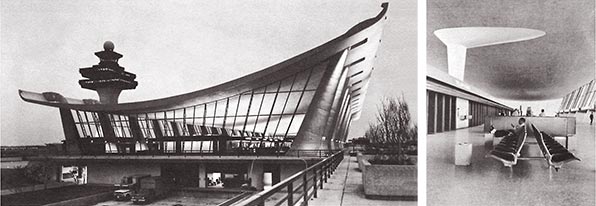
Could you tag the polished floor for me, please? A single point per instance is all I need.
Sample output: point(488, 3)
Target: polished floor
point(487, 182)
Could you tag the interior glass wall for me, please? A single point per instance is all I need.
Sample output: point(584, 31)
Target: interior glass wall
point(442, 109)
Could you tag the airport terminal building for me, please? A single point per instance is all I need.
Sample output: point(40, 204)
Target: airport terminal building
point(270, 121)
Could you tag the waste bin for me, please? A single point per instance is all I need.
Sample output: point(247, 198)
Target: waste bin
point(463, 153)
point(488, 140)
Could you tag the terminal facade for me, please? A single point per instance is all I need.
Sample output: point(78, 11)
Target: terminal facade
point(580, 103)
point(267, 121)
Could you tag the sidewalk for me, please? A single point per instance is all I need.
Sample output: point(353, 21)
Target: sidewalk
point(344, 188)
point(31, 188)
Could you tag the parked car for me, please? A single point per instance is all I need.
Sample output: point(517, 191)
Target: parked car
point(123, 194)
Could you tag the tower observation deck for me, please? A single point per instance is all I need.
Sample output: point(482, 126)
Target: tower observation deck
point(108, 78)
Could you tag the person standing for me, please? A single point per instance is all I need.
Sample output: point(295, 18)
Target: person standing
point(542, 113)
point(529, 112)
point(515, 113)
point(591, 117)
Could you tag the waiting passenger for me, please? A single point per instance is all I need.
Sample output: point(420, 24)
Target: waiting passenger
point(515, 113)
point(517, 128)
point(542, 113)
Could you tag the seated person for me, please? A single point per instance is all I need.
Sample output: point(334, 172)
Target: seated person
point(517, 128)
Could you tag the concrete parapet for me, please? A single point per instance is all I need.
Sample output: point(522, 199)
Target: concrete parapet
point(361, 159)
point(389, 181)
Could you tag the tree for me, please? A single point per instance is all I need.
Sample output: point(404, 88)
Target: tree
point(40, 171)
point(394, 129)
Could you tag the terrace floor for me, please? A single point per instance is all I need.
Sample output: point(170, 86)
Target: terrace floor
point(344, 188)
point(487, 182)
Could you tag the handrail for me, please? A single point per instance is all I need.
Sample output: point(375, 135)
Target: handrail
point(322, 169)
point(235, 199)
point(299, 154)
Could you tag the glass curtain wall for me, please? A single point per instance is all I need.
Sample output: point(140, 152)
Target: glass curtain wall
point(581, 99)
point(265, 118)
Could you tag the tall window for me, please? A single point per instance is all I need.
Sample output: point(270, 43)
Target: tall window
point(169, 147)
point(166, 128)
point(146, 127)
point(87, 124)
point(111, 148)
point(120, 125)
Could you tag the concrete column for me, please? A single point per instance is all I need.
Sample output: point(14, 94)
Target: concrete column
point(133, 122)
point(71, 135)
point(106, 127)
point(312, 130)
point(335, 110)
point(202, 176)
point(456, 60)
point(345, 111)
point(108, 95)
point(346, 128)
point(256, 174)
point(59, 173)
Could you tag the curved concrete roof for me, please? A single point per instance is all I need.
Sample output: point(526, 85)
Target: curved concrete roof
point(539, 69)
point(471, 37)
point(362, 40)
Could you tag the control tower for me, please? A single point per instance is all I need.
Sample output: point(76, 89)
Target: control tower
point(107, 78)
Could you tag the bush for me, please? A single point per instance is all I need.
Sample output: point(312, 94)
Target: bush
point(385, 159)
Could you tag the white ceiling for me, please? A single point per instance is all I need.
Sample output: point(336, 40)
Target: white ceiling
point(538, 69)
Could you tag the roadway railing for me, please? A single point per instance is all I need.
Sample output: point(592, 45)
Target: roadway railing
point(160, 155)
point(299, 154)
point(300, 187)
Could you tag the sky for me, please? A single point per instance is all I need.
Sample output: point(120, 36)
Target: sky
point(176, 47)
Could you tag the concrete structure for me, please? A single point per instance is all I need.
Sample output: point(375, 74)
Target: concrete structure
point(482, 53)
point(107, 78)
point(300, 107)
point(382, 181)
point(345, 188)
point(507, 52)
point(547, 67)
